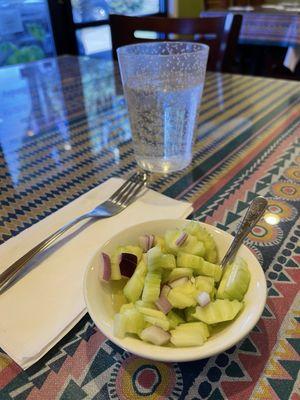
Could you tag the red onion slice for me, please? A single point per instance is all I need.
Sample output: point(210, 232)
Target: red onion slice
point(181, 239)
point(178, 282)
point(146, 242)
point(104, 267)
point(128, 263)
point(203, 299)
point(163, 304)
point(155, 335)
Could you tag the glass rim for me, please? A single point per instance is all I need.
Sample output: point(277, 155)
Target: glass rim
point(202, 48)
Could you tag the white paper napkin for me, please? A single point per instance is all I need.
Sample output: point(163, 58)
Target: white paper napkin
point(48, 301)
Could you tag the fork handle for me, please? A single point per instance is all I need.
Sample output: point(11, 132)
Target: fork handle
point(12, 272)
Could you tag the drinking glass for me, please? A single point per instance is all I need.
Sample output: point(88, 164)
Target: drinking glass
point(163, 83)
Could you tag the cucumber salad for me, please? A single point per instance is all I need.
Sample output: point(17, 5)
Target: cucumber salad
point(174, 292)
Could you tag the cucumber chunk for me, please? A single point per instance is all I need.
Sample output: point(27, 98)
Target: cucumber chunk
point(159, 241)
point(151, 289)
point(191, 245)
point(235, 281)
point(120, 325)
point(205, 284)
point(146, 304)
point(193, 228)
point(218, 311)
point(160, 322)
point(152, 313)
point(130, 320)
point(115, 259)
point(177, 273)
point(136, 250)
point(157, 260)
point(188, 314)
point(199, 265)
point(174, 319)
point(134, 287)
point(183, 296)
point(189, 334)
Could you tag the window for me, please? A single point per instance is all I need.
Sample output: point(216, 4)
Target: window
point(96, 40)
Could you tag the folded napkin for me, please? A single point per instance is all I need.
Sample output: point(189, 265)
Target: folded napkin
point(48, 301)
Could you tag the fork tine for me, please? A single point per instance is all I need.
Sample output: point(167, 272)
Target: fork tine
point(122, 188)
point(132, 195)
point(123, 196)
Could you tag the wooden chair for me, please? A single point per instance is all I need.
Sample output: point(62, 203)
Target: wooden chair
point(219, 33)
point(216, 4)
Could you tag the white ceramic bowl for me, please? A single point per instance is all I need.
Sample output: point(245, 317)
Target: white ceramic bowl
point(98, 297)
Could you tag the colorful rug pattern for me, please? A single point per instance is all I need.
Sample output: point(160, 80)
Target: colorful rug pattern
point(247, 145)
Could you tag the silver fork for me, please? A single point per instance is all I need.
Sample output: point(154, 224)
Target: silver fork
point(116, 203)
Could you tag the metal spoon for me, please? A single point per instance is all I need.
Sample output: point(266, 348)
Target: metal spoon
point(253, 214)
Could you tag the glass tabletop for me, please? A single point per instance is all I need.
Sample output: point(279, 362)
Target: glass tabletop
point(64, 129)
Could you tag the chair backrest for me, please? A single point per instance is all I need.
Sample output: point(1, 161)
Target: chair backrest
point(216, 4)
point(219, 33)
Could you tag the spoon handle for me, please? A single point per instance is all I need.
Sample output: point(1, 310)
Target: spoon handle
point(253, 214)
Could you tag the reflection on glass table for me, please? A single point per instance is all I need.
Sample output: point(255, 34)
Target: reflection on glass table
point(97, 10)
point(25, 31)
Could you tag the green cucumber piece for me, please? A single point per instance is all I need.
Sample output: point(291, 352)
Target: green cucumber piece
point(235, 281)
point(195, 229)
point(174, 319)
point(159, 241)
point(205, 284)
point(191, 245)
point(134, 287)
point(120, 325)
point(115, 267)
point(161, 323)
point(152, 313)
point(157, 260)
point(199, 265)
point(126, 307)
point(130, 320)
point(136, 250)
point(151, 289)
point(189, 334)
point(188, 314)
point(115, 259)
point(218, 311)
point(146, 304)
point(183, 296)
point(177, 273)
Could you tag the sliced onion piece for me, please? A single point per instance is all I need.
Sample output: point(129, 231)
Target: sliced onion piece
point(163, 304)
point(128, 263)
point(181, 239)
point(203, 299)
point(155, 335)
point(104, 267)
point(146, 242)
point(178, 282)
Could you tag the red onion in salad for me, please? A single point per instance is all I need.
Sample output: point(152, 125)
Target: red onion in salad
point(181, 239)
point(163, 304)
point(146, 242)
point(104, 267)
point(155, 335)
point(128, 263)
